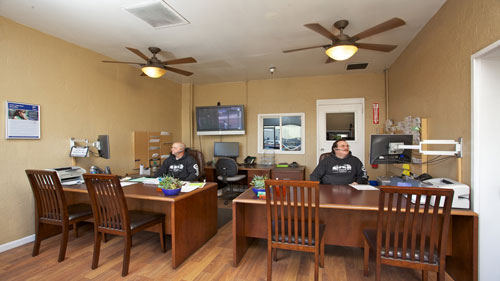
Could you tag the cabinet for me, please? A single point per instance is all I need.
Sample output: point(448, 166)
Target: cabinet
point(151, 148)
point(297, 173)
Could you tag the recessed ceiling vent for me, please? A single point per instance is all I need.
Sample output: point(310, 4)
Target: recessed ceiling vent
point(354, 66)
point(157, 14)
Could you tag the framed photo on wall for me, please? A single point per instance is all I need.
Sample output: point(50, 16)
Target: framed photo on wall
point(22, 120)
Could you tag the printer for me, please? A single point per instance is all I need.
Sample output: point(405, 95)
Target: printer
point(70, 175)
point(461, 195)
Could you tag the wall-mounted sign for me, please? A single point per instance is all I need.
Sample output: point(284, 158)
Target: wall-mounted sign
point(22, 120)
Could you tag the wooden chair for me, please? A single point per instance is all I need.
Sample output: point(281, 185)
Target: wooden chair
point(293, 220)
point(410, 235)
point(112, 216)
point(51, 208)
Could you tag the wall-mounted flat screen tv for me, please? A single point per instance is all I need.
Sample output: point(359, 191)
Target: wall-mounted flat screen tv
point(220, 120)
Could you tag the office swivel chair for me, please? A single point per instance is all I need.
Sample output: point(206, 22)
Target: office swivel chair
point(198, 156)
point(227, 172)
point(51, 208)
point(324, 155)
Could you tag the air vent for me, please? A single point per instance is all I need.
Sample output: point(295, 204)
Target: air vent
point(157, 14)
point(354, 66)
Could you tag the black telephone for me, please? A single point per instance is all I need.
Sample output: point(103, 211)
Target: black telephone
point(250, 160)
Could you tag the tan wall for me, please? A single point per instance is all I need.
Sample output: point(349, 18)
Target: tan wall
point(432, 76)
point(79, 97)
point(292, 95)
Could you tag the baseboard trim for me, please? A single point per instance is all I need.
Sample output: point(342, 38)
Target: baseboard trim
point(17, 243)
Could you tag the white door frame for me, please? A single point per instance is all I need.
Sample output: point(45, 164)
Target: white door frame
point(361, 127)
point(483, 189)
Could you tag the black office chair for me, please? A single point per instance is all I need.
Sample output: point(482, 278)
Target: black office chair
point(227, 172)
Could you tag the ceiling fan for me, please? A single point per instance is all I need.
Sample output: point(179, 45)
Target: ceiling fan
point(155, 68)
point(344, 46)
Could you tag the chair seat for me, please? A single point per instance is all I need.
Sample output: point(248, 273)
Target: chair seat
point(299, 234)
point(139, 218)
point(371, 238)
point(77, 211)
point(233, 178)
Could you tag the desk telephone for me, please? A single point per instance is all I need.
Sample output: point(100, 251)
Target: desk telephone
point(249, 160)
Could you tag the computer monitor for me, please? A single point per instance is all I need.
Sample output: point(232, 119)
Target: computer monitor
point(104, 143)
point(227, 149)
point(383, 149)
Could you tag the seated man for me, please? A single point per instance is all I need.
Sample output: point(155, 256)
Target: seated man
point(340, 167)
point(179, 164)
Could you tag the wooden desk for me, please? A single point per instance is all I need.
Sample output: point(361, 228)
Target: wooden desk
point(271, 172)
point(191, 218)
point(346, 212)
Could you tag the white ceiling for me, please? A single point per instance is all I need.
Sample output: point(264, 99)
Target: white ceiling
point(232, 40)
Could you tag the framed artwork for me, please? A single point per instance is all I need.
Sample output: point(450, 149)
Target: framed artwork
point(22, 120)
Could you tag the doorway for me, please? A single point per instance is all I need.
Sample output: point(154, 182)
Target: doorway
point(340, 118)
point(485, 154)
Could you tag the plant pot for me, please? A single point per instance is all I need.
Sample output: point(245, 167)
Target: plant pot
point(171, 192)
point(256, 190)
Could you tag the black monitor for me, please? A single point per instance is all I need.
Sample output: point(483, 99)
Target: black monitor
point(104, 149)
point(383, 149)
point(227, 149)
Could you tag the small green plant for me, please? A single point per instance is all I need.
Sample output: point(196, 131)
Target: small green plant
point(258, 181)
point(169, 183)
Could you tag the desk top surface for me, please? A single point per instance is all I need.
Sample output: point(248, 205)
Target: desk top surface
point(341, 197)
point(145, 191)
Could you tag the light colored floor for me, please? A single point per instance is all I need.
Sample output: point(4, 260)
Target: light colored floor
point(211, 262)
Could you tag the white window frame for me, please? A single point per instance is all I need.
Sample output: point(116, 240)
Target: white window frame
point(260, 134)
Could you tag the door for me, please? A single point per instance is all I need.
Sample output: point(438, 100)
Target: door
point(341, 118)
point(485, 155)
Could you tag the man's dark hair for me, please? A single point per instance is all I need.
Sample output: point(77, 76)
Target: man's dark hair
point(335, 144)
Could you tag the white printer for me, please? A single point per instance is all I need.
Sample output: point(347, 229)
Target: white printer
point(461, 196)
point(70, 175)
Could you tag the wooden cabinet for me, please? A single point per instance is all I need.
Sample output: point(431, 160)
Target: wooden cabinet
point(151, 148)
point(288, 173)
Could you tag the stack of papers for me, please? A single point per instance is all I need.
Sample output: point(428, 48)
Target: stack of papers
point(146, 180)
point(363, 187)
point(190, 186)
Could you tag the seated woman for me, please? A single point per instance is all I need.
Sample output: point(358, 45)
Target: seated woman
point(340, 167)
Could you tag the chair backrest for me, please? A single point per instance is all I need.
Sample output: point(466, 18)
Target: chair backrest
point(226, 167)
point(198, 156)
point(412, 229)
point(292, 210)
point(324, 155)
point(50, 202)
point(108, 201)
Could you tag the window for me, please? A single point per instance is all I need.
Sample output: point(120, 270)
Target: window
point(282, 133)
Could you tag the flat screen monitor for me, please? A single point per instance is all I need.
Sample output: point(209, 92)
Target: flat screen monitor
point(227, 149)
point(220, 120)
point(382, 149)
point(104, 149)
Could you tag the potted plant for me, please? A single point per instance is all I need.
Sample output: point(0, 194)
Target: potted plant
point(258, 183)
point(170, 185)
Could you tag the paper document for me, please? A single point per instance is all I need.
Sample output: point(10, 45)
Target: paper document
point(146, 180)
point(125, 183)
point(190, 186)
point(363, 187)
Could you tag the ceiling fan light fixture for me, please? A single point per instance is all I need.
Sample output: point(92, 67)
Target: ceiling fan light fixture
point(341, 51)
point(153, 71)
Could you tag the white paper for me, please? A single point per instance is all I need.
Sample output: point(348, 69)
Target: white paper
point(190, 186)
point(125, 183)
point(363, 187)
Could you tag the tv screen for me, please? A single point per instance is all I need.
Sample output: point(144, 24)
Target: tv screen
point(220, 120)
point(383, 149)
point(226, 149)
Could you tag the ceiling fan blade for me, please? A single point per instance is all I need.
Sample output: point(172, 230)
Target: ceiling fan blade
point(139, 53)
point(179, 61)
point(306, 48)
point(109, 61)
point(316, 27)
point(376, 47)
point(390, 24)
point(330, 60)
point(183, 72)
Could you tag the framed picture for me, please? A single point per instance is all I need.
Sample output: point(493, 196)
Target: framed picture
point(22, 120)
